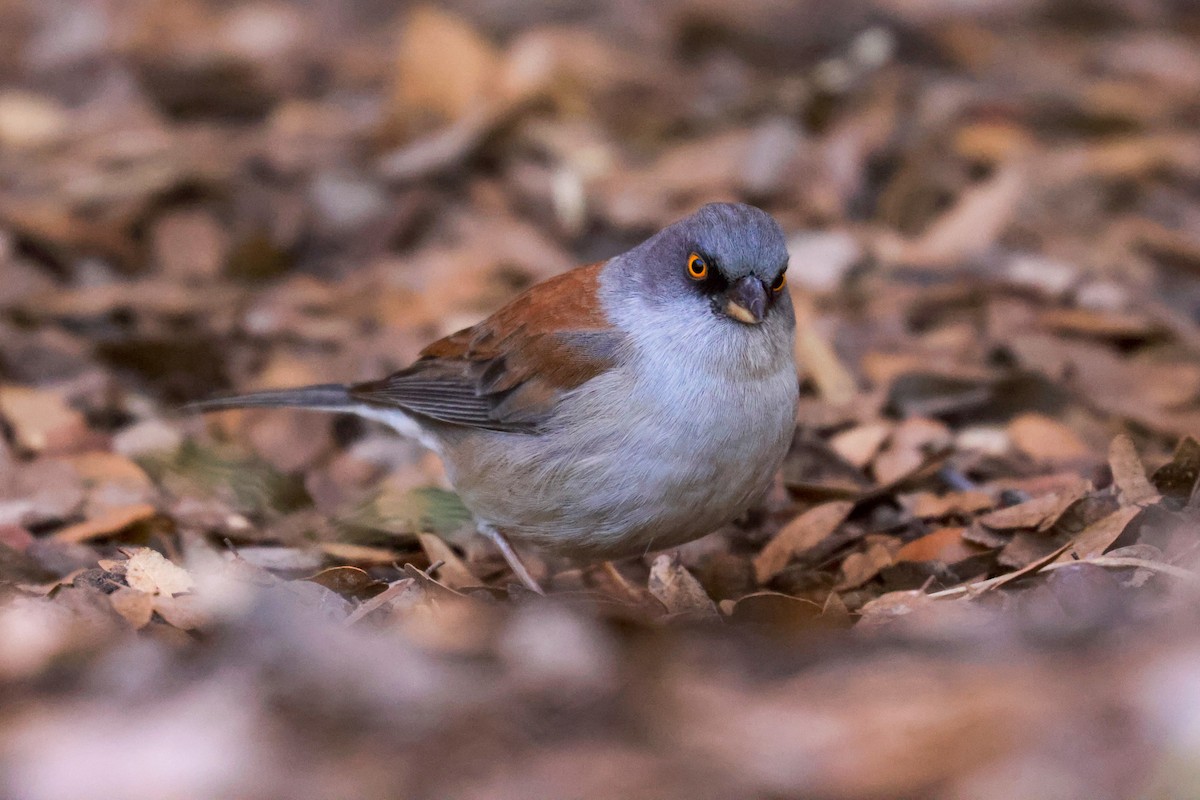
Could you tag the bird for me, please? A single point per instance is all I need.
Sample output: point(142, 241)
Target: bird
point(618, 408)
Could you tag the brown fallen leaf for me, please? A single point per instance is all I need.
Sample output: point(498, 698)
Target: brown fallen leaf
point(1046, 440)
point(358, 553)
point(891, 605)
point(678, 590)
point(1040, 512)
point(801, 534)
point(1099, 536)
point(860, 444)
point(1179, 477)
point(945, 545)
point(349, 582)
point(858, 568)
point(112, 521)
point(927, 505)
point(186, 612)
point(834, 381)
point(41, 420)
point(1129, 474)
point(135, 606)
point(912, 442)
point(150, 572)
point(453, 570)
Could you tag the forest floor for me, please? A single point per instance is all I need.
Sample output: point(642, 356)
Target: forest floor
point(976, 578)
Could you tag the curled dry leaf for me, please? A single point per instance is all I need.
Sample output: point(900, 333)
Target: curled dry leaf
point(349, 582)
point(801, 534)
point(1129, 475)
point(150, 572)
point(678, 590)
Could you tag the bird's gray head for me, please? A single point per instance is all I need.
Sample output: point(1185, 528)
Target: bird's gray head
point(728, 256)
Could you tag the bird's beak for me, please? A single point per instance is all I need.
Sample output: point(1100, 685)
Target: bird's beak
point(746, 300)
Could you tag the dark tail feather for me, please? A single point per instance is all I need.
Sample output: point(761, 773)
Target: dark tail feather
point(325, 397)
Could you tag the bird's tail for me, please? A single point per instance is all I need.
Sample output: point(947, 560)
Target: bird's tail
point(324, 397)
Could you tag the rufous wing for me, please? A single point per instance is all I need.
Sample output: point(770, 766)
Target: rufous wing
point(509, 371)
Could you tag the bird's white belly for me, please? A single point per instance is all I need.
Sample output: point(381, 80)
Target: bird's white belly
point(678, 460)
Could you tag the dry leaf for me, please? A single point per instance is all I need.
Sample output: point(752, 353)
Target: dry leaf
point(1040, 512)
point(860, 444)
point(1099, 536)
point(40, 419)
point(134, 605)
point(186, 612)
point(453, 571)
point(858, 568)
point(1129, 475)
point(444, 67)
point(927, 505)
point(150, 572)
point(1046, 440)
point(677, 590)
point(801, 534)
point(945, 545)
point(349, 581)
point(912, 443)
point(107, 523)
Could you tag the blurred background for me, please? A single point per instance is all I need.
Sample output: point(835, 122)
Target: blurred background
point(993, 212)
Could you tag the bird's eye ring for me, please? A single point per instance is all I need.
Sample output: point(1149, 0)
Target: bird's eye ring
point(779, 283)
point(697, 267)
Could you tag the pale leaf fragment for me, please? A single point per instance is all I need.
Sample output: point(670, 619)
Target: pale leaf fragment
point(150, 572)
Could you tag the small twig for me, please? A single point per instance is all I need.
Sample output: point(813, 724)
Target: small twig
point(1185, 575)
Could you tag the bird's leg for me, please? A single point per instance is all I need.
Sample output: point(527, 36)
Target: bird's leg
point(510, 555)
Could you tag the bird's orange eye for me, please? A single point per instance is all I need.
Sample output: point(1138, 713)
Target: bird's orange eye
point(697, 267)
point(779, 283)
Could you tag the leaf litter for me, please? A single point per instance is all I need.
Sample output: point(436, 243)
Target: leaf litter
point(983, 540)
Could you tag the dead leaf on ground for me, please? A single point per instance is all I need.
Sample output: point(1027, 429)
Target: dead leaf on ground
point(927, 505)
point(1178, 478)
point(41, 419)
point(678, 590)
point(109, 522)
point(1040, 512)
point(1046, 440)
point(1099, 536)
point(860, 444)
point(349, 582)
point(134, 605)
point(801, 534)
point(453, 570)
point(150, 572)
point(1129, 474)
point(858, 568)
point(945, 545)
